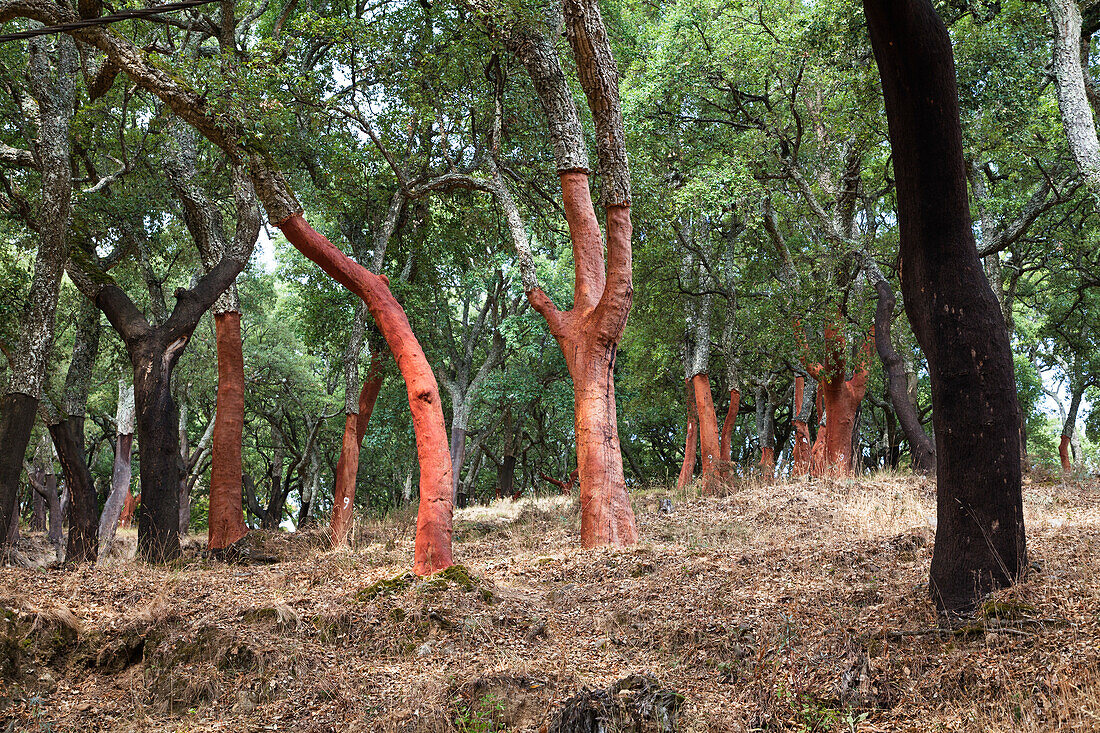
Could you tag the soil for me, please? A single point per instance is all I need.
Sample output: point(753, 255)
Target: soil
point(788, 606)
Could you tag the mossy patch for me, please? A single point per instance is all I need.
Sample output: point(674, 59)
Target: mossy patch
point(387, 586)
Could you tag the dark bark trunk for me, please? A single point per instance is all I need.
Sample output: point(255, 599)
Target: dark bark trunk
point(53, 501)
point(921, 447)
point(458, 454)
point(38, 511)
point(158, 436)
point(980, 541)
point(68, 441)
point(17, 411)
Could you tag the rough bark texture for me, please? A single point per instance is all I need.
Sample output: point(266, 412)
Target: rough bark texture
point(226, 519)
point(433, 527)
point(1073, 102)
point(51, 75)
point(980, 541)
point(921, 448)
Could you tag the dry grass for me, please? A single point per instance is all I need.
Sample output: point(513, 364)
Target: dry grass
point(789, 606)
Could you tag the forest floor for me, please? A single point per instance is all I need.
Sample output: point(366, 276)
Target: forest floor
point(787, 606)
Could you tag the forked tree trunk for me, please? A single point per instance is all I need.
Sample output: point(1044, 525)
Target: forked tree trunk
point(347, 467)
point(433, 527)
point(226, 518)
point(921, 448)
point(980, 541)
point(765, 430)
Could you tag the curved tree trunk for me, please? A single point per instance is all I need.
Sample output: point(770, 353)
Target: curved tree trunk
point(433, 526)
point(226, 519)
point(980, 541)
point(920, 445)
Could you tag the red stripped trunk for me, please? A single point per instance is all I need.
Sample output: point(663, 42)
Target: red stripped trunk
point(767, 461)
point(709, 438)
point(841, 399)
point(129, 508)
point(1063, 454)
point(368, 396)
point(800, 454)
point(691, 437)
point(347, 467)
point(226, 521)
point(433, 524)
point(726, 447)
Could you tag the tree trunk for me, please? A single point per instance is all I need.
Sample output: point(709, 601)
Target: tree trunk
point(980, 541)
point(607, 517)
point(38, 512)
point(51, 77)
point(803, 405)
point(68, 440)
point(226, 519)
point(726, 447)
point(433, 527)
point(1068, 428)
point(129, 509)
point(121, 473)
point(53, 501)
point(709, 438)
point(347, 468)
point(920, 445)
point(840, 398)
point(158, 435)
point(184, 502)
point(687, 468)
point(1073, 102)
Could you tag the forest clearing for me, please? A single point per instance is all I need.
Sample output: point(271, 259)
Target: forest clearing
point(793, 606)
